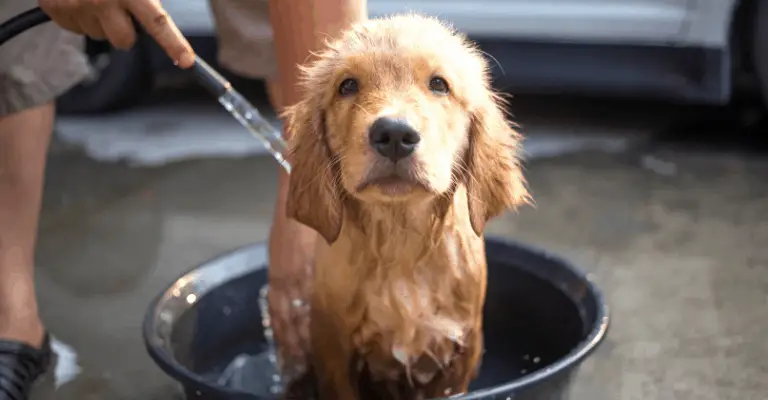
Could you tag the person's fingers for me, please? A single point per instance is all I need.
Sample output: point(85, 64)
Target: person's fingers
point(118, 27)
point(289, 323)
point(290, 355)
point(282, 322)
point(67, 22)
point(300, 318)
point(290, 283)
point(60, 13)
point(159, 25)
point(91, 27)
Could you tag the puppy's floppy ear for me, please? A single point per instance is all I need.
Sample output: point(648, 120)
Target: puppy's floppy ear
point(313, 192)
point(495, 182)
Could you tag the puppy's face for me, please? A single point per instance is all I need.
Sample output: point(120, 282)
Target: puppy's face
point(400, 109)
point(397, 117)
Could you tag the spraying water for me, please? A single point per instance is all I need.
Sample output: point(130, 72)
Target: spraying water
point(251, 119)
point(243, 111)
point(258, 374)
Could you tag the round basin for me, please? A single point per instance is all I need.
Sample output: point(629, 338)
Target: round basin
point(543, 317)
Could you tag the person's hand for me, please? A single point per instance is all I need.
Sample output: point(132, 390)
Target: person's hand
point(291, 265)
point(111, 20)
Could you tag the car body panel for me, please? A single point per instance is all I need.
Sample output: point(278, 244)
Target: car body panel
point(648, 22)
point(709, 23)
point(585, 21)
point(672, 49)
point(193, 17)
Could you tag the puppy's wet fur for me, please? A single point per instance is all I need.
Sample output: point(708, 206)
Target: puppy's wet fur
point(400, 279)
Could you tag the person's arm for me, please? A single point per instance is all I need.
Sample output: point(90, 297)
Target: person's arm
point(299, 28)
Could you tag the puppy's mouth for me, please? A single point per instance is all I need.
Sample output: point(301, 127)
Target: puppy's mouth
point(392, 185)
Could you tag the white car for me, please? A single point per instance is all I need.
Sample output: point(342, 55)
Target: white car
point(686, 50)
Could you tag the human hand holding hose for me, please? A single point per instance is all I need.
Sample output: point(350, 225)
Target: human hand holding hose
point(111, 20)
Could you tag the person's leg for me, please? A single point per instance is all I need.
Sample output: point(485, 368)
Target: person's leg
point(24, 140)
point(35, 68)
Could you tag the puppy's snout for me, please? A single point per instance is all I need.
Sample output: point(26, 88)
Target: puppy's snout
point(393, 138)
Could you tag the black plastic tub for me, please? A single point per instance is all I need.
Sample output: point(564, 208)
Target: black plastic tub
point(543, 317)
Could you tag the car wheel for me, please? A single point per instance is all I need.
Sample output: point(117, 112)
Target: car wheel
point(760, 48)
point(119, 78)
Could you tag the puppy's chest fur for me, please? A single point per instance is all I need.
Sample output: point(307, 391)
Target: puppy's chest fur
point(412, 300)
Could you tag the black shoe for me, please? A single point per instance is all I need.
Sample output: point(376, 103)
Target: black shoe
point(20, 366)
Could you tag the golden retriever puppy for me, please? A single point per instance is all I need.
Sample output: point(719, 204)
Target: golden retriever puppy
point(401, 153)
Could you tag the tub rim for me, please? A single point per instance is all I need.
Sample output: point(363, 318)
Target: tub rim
point(253, 257)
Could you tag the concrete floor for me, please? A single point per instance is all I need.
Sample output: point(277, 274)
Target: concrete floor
point(681, 256)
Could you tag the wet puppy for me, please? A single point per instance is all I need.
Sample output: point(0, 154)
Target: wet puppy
point(401, 153)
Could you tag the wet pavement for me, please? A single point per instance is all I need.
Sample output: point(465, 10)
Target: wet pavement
point(676, 239)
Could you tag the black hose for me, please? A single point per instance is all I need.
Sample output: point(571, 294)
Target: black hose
point(20, 23)
point(206, 75)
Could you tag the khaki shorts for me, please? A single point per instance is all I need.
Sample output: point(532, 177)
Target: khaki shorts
point(245, 37)
point(46, 61)
point(38, 65)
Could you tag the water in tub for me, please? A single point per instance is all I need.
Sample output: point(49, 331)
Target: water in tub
point(255, 373)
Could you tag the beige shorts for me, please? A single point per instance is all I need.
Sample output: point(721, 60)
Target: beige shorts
point(38, 65)
point(46, 61)
point(245, 37)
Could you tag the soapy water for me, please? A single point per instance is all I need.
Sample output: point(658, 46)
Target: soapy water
point(253, 374)
point(257, 374)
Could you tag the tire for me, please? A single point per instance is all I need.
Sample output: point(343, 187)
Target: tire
point(121, 78)
point(760, 48)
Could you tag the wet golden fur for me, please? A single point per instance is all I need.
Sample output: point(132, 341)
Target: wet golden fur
point(399, 288)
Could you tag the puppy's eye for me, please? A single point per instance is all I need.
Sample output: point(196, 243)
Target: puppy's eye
point(438, 85)
point(348, 87)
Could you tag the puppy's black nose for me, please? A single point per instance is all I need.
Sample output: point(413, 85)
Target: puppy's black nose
point(393, 138)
